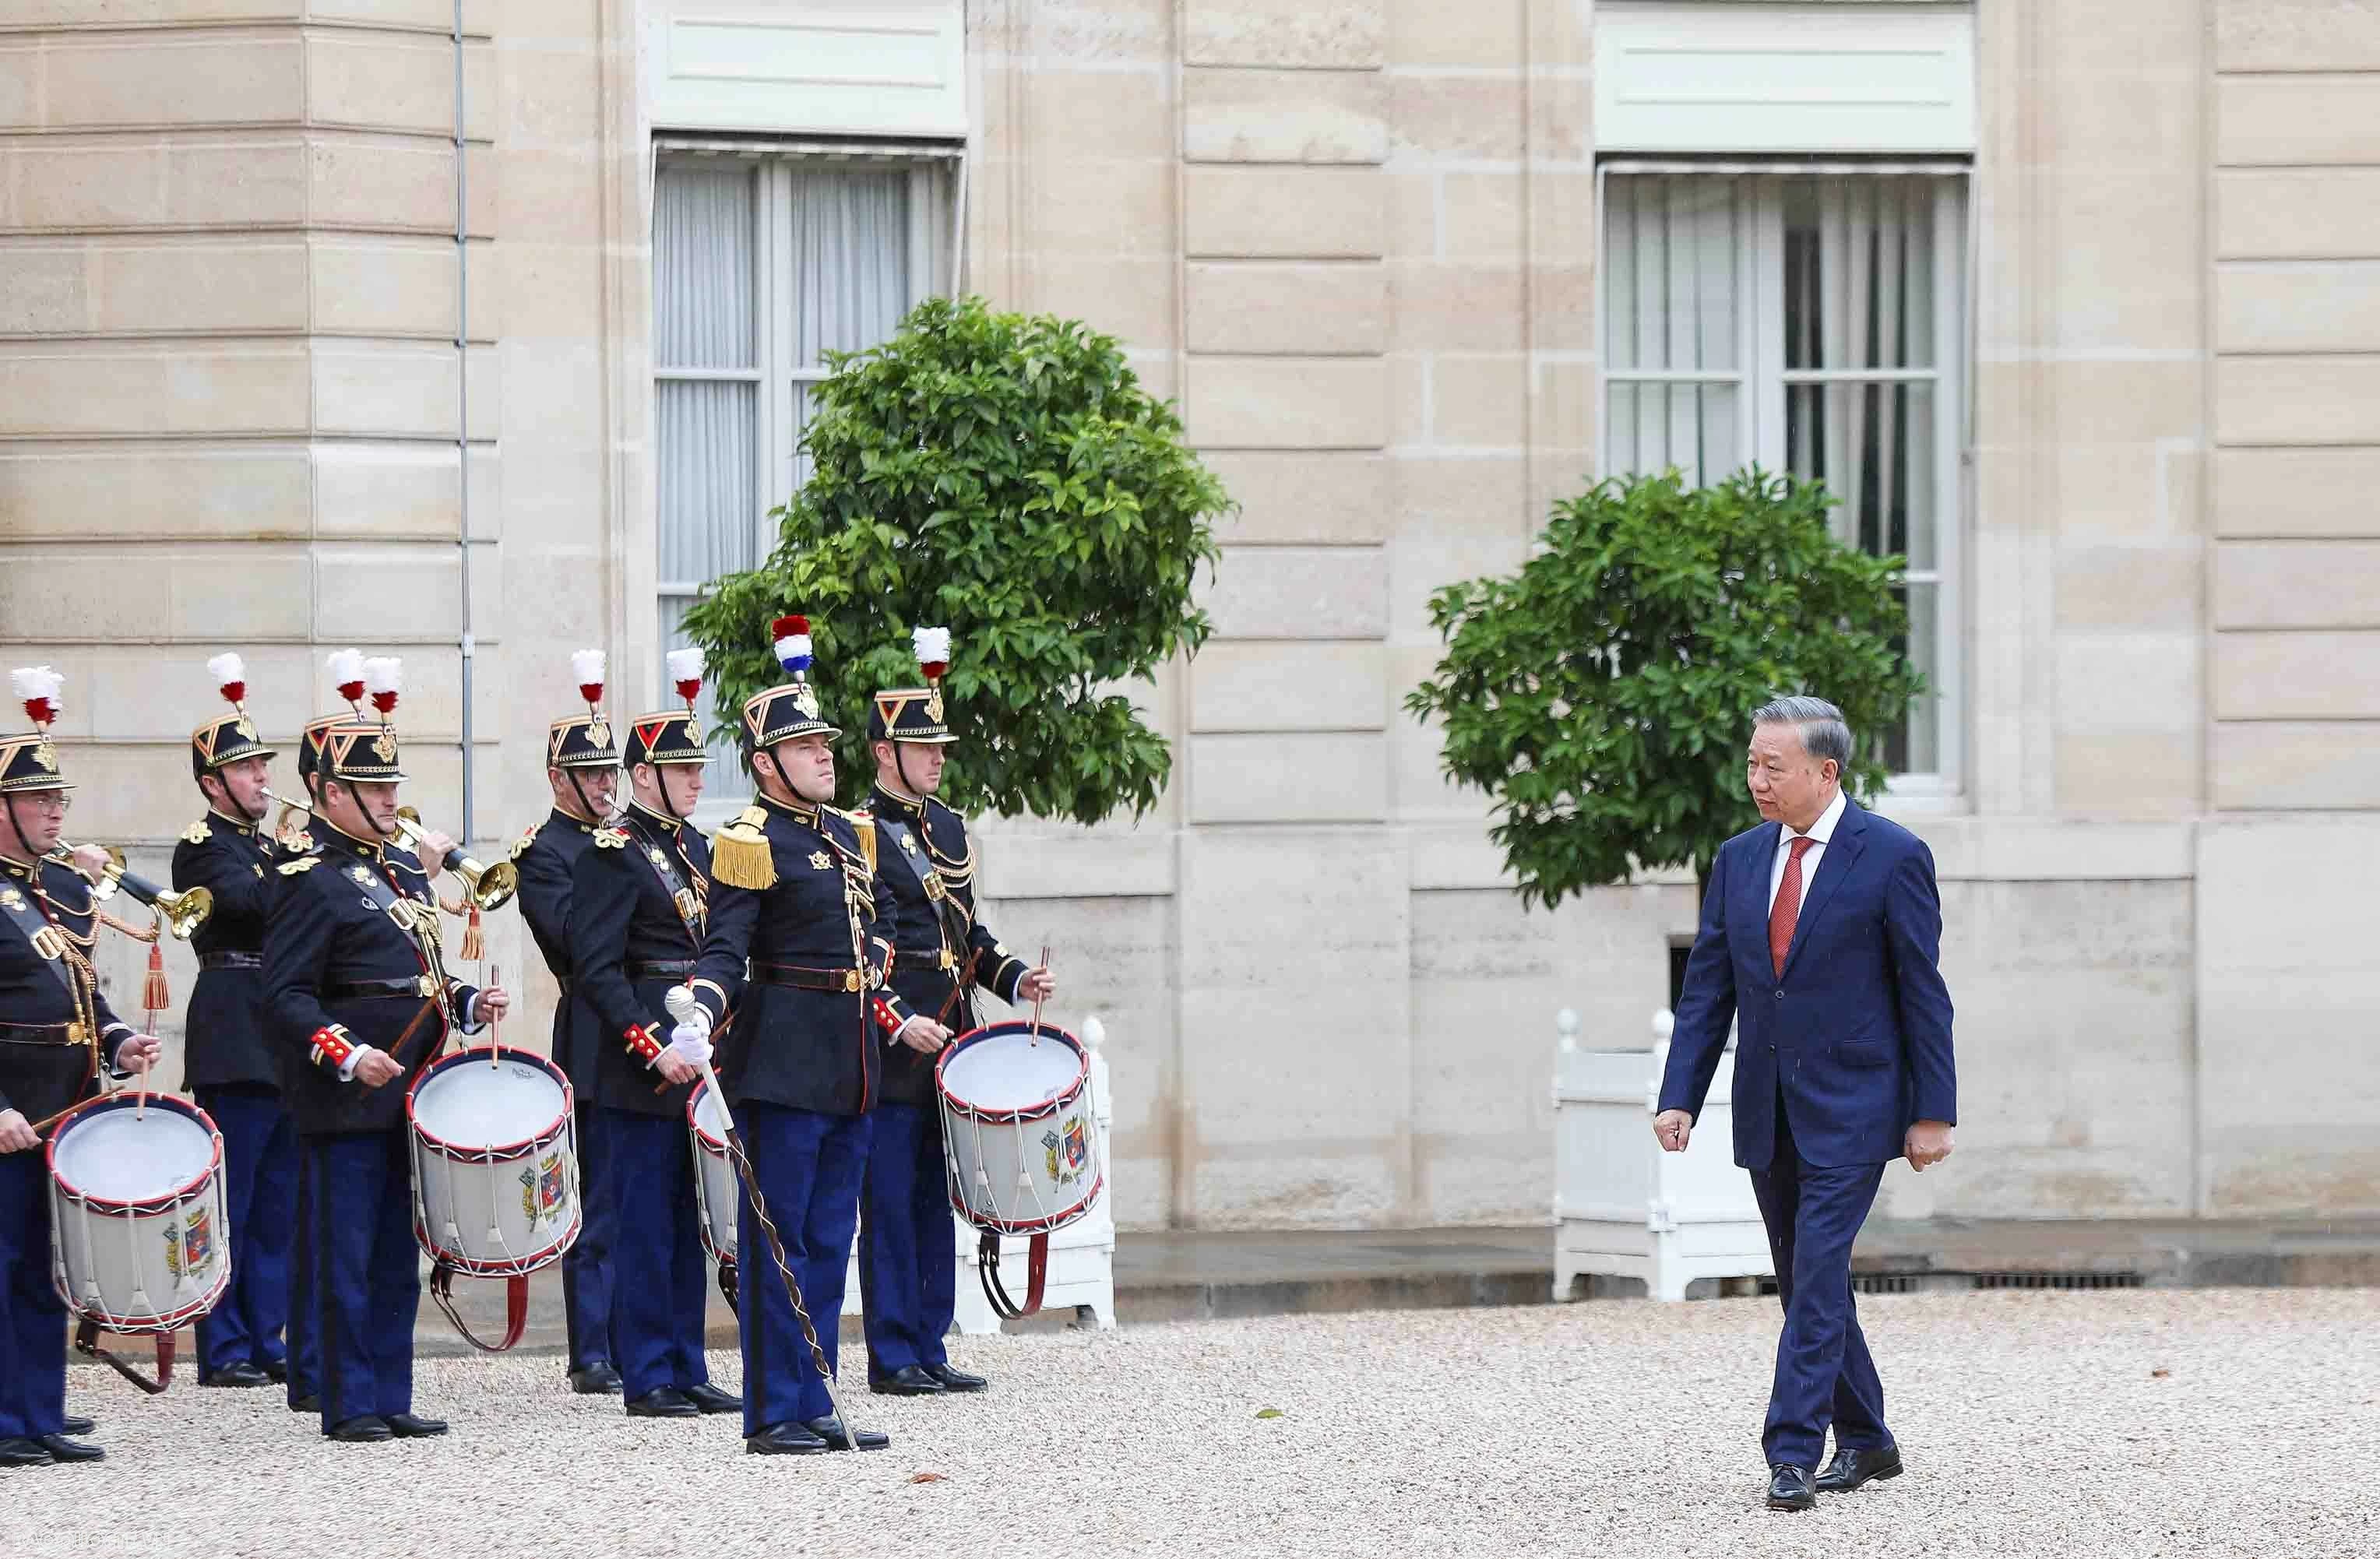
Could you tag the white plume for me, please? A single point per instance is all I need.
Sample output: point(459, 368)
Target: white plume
point(586, 665)
point(227, 669)
point(347, 665)
point(37, 682)
point(684, 665)
point(932, 644)
point(383, 673)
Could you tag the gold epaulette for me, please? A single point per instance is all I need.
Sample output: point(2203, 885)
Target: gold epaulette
point(740, 855)
point(863, 828)
point(520, 845)
point(197, 833)
point(303, 864)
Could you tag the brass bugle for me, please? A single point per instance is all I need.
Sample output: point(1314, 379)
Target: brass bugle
point(491, 886)
point(184, 912)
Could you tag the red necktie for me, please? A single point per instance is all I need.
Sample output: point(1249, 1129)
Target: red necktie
point(1787, 908)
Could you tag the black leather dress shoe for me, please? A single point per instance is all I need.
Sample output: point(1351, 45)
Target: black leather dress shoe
point(62, 1449)
point(596, 1380)
point(17, 1450)
point(909, 1379)
point(240, 1374)
point(364, 1428)
point(308, 1402)
point(1789, 1488)
point(77, 1424)
point(665, 1402)
point(709, 1398)
point(956, 1380)
point(784, 1440)
point(410, 1426)
point(277, 1370)
point(830, 1428)
point(1852, 1467)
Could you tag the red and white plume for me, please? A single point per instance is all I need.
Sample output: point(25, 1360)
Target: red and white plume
point(38, 687)
point(231, 675)
point(586, 670)
point(384, 675)
point(686, 674)
point(933, 648)
point(348, 674)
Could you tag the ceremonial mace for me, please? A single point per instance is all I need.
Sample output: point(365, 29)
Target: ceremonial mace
point(682, 1007)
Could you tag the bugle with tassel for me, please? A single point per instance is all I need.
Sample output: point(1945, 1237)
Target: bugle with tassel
point(182, 913)
point(491, 888)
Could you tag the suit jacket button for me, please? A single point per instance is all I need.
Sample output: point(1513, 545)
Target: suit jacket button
point(1781, 993)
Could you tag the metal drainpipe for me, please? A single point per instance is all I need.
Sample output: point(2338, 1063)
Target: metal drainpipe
point(463, 400)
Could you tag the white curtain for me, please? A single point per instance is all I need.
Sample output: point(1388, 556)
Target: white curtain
point(1673, 384)
point(850, 272)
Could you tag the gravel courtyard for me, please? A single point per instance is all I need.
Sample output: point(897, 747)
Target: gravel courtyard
point(2229, 1421)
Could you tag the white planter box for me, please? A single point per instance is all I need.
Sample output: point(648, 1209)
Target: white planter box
point(1082, 1255)
point(1623, 1207)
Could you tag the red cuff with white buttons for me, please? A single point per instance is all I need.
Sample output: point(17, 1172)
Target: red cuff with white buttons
point(643, 1045)
point(332, 1046)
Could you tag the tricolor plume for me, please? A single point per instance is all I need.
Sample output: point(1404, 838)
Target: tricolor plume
point(231, 675)
point(791, 637)
point(686, 674)
point(933, 646)
point(347, 673)
point(587, 668)
point(384, 675)
point(38, 687)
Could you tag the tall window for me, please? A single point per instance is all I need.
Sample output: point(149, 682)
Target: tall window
point(1812, 324)
point(761, 264)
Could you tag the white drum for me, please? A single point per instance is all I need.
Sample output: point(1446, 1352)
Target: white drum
point(714, 1176)
point(140, 1236)
point(1020, 1148)
point(495, 1161)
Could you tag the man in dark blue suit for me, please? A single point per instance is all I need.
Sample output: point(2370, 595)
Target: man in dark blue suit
point(1820, 932)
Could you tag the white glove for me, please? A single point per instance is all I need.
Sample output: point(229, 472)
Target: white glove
point(690, 1045)
point(690, 1012)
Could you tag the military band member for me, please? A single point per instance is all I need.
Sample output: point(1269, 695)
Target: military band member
point(582, 768)
point(925, 895)
point(638, 904)
point(55, 1028)
point(802, 1065)
point(228, 1066)
point(356, 993)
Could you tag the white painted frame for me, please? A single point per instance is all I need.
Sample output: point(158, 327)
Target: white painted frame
point(1762, 380)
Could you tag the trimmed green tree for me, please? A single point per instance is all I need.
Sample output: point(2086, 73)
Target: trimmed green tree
point(1600, 696)
point(1009, 478)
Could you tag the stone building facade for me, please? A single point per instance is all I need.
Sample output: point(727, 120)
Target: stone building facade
point(1376, 250)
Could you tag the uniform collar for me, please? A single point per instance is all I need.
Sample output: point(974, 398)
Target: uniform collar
point(658, 819)
point(14, 868)
point(912, 808)
point(1822, 831)
point(799, 811)
point(235, 823)
point(370, 850)
point(572, 820)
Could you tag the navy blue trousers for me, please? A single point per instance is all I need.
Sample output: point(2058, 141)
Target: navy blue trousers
point(657, 1314)
point(367, 1279)
point(1823, 1375)
point(810, 1166)
point(586, 1289)
point(261, 1193)
point(907, 1251)
point(32, 1317)
point(305, 1349)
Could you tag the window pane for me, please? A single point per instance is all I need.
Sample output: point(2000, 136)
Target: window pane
point(1859, 273)
point(1873, 445)
point(850, 261)
point(704, 432)
point(1650, 427)
point(1669, 254)
point(703, 233)
point(1916, 746)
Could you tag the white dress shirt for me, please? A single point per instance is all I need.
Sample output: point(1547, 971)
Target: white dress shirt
point(1820, 832)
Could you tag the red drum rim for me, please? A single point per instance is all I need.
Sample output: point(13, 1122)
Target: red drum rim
point(1047, 1107)
point(1030, 1225)
point(142, 1326)
point(158, 1203)
point(500, 1152)
point(715, 1147)
point(514, 1267)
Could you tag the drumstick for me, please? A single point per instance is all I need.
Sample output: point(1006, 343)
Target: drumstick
point(140, 1105)
point(1036, 1038)
point(491, 976)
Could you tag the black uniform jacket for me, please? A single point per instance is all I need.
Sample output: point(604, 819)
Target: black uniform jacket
point(224, 1039)
point(547, 857)
point(925, 893)
point(790, 1043)
point(638, 900)
point(340, 973)
point(47, 1060)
